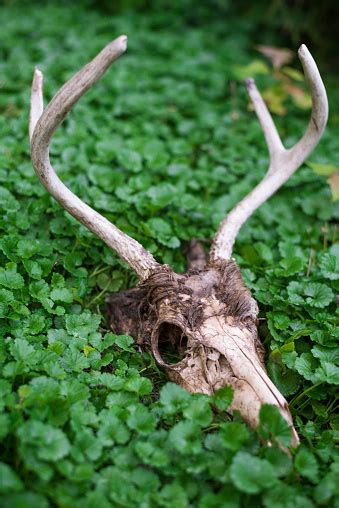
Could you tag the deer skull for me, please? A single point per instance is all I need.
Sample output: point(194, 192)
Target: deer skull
point(202, 329)
point(206, 316)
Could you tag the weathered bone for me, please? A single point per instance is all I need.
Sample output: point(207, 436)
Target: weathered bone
point(206, 315)
point(208, 318)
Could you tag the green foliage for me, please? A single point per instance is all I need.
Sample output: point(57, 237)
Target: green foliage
point(252, 474)
point(163, 147)
point(272, 427)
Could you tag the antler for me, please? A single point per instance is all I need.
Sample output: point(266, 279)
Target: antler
point(283, 162)
point(43, 124)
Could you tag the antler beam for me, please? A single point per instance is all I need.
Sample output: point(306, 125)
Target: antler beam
point(42, 126)
point(283, 162)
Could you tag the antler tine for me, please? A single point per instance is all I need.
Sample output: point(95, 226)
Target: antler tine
point(37, 101)
point(42, 126)
point(319, 115)
point(272, 137)
point(283, 162)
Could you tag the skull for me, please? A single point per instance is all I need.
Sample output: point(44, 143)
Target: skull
point(209, 319)
point(202, 329)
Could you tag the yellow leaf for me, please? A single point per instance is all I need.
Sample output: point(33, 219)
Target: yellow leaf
point(293, 74)
point(275, 101)
point(24, 391)
point(249, 71)
point(87, 350)
point(285, 348)
point(333, 182)
point(322, 169)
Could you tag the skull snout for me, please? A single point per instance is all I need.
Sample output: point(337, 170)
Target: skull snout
point(214, 355)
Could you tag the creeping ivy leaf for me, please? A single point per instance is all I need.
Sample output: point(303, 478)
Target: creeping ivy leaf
point(286, 380)
point(82, 324)
point(161, 230)
point(139, 385)
point(295, 293)
point(25, 499)
point(326, 354)
point(27, 248)
point(272, 426)
point(39, 290)
point(329, 266)
point(306, 465)
point(124, 342)
point(141, 420)
point(22, 350)
point(6, 297)
point(161, 195)
point(318, 295)
point(251, 474)
point(10, 278)
point(61, 295)
point(129, 159)
point(314, 294)
point(50, 443)
point(223, 397)
point(305, 364)
point(199, 410)
point(173, 495)
point(289, 267)
point(286, 496)
point(185, 437)
point(234, 435)
point(173, 398)
point(327, 488)
point(9, 480)
point(4, 425)
point(328, 372)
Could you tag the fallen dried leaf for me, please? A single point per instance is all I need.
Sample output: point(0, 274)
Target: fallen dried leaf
point(278, 56)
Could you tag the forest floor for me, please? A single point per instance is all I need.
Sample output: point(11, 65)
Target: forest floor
point(164, 145)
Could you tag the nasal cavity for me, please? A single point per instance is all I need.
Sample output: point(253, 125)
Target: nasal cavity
point(172, 343)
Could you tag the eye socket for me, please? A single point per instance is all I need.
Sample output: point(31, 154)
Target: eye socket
point(172, 343)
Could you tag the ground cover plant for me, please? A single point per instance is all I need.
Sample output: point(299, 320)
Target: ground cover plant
point(86, 419)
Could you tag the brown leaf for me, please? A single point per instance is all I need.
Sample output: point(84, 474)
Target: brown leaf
point(301, 98)
point(278, 56)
